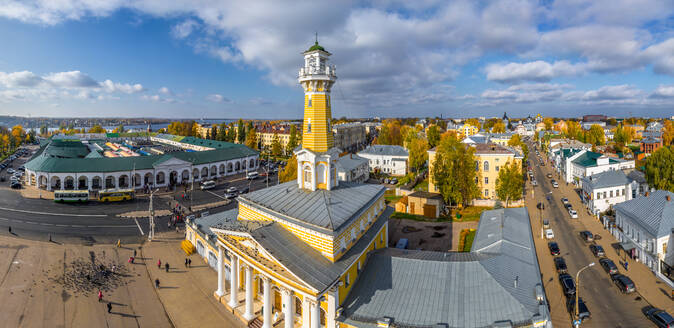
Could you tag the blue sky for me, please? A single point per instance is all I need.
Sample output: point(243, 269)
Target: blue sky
point(192, 59)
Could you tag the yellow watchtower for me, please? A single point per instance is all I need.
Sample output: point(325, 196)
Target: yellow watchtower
point(317, 78)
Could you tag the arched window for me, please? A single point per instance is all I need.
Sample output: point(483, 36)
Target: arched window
point(309, 123)
point(486, 166)
point(307, 174)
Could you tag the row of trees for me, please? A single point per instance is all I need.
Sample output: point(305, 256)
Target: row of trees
point(660, 169)
point(12, 138)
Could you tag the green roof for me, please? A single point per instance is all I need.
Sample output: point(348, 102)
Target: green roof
point(45, 163)
point(316, 46)
point(66, 148)
point(589, 159)
point(198, 141)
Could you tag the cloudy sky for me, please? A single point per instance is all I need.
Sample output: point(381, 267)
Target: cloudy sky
point(230, 59)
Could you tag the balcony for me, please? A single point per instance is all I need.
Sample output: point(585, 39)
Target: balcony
point(309, 71)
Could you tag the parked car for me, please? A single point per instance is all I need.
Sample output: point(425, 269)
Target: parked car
point(555, 184)
point(534, 182)
point(403, 243)
point(252, 175)
point(624, 283)
point(540, 206)
point(549, 234)
point(10, 171)
point(546, 224)
point(573, 213)
point(583, 311)
point(244, 190)
point(567, 283)
point(15, 185)
point(608, 266)
point(660, 317)
point(565, 200)
point(597, 250)
point(393, 181)
point(230, 195)
point(568, 206)
point(586, 236)
point(232, 190)
point(554, 248)
point(560, 265)
point(549, 175)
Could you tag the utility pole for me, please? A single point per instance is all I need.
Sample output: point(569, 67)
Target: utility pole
point(150, 235)
point(577, 320)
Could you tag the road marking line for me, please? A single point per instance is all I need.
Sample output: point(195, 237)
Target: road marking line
point(55, 214)
point(46, 224)
point(30, 222)
point(141, 230)
point(60, 225)
point(107, 226)
point(77, 226)
point(215, 194)
point(4, 219)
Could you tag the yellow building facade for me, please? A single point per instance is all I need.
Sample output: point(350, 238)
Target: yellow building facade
point(468, 130)
point(290, 254)
point(489, 158)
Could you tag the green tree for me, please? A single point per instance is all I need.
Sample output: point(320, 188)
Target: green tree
point(241, 132)
point(292, 139)
point(573, 130)
point(43, 130)
point(454, 171)
point(208, 134)
point(118, 129)
point(96, 129)
point(390, 133)
point(289, 173)
point(418, 153)
point(433, 136)
point(251, 139)
point(667, 133)
point(214, 132)
point(660, 169)
point(276, 147)
point(222, 132)
point(595, 135)
point(509, 183)
point(498, 127)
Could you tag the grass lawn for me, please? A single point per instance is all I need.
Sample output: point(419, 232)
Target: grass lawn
point(468, 240)
point(406, 216)
point(470, 213)
point(392, 198)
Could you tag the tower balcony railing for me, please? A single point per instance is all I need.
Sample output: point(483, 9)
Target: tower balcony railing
point(328, 70)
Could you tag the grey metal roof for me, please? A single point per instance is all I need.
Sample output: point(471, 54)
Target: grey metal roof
point(351, 162)
point(385, 150)
point(495, 282)
point(325, 211)
point(636, 175)
point(307, 263)
point(653, 212)
point(606, 179)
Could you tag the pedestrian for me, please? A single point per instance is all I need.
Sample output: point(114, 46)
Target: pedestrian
point(119, 243)
point(186, 262)
point(169, 224)
point(134, 253)
point(131, 259)
point(100, 295)
point(625, 265)
point(114, 268)
point(177, 229)
point(10, 230)
point(158, 264)
point(109, 307)
point(166, 266)
point(156, 283)
point(49, 237)
point(189, 263)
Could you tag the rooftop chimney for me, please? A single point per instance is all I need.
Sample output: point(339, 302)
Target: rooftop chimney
point(668, 198)
point(646, 194)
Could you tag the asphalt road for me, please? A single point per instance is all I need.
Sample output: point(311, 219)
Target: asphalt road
point(95, 222)
point(609, 307)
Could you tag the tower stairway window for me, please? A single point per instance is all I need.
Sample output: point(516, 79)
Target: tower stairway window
point(309, 105)
point(309, 121)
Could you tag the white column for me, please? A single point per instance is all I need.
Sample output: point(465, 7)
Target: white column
point(221, 274)
point(248, 315)
point(305, 312)
point(234, 281)
point(288, 313)
point(267, 303)
point(333, 304)
point(315, 313)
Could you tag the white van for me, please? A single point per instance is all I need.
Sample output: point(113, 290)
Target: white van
point(252, 175)
point(210, 184)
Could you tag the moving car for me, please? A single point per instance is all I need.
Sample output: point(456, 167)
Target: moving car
point(549, 234)
point(565, 200)
point(554, 248)
point(252, 175)
point(573, 213)
point(583, 312)
point(567, 283)
point(660, 318)
point(586, 236)
point(549, 175)
point(555, 184)
point(560, 265)
point(608, 266)
point(534, 182)
point(15, 185)
point(597, 250)
point(232, 189)
point(624, 283)
point(546, 224)
point(230, 195)
point(210, 184)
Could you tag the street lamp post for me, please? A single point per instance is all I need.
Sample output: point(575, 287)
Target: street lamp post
point(578, 290)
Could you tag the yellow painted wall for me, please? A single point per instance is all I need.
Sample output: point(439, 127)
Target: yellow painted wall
point(431, 182)
point(320, 138)
point(492, 174)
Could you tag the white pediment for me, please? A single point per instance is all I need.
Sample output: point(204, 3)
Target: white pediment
point(172, 163)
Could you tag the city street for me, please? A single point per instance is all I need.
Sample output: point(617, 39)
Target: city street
point(609, 307)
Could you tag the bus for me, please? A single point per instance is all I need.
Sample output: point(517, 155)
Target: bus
point(115, 195)
point(71, 196)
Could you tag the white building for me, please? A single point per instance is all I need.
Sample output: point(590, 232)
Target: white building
point(586, 163)
point(353, 168)
point(603, 190)
point(389, 159)
point(644, 226)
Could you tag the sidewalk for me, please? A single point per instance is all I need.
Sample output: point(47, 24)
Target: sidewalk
point(651, 288)
point(186, 293)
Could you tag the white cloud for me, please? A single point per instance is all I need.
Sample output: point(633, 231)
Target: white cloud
point(613, 92)
point(532, 71)
point(217, 98)
point(184, 29)
point(663, 91)
point(110, 86)
point(19, 79)
point(72, 79)
point(165, 91)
